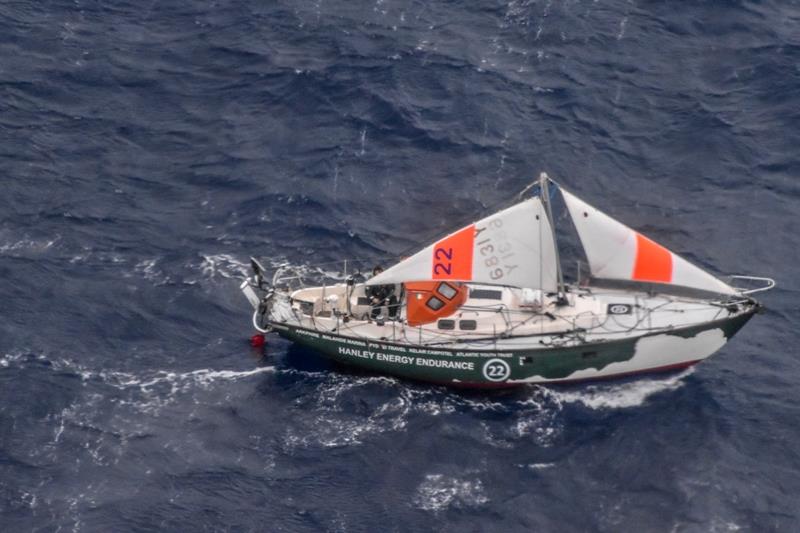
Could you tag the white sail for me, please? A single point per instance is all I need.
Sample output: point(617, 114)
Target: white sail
point(512, 247)
point(617, 252)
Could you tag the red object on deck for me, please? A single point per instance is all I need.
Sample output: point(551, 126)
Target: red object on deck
point(257, 340)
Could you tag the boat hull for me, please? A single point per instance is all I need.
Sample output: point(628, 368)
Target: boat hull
point(661, 351)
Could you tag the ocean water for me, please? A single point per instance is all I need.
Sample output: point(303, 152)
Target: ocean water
point(148, 148)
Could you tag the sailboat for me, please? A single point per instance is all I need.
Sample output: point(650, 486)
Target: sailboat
point(487, 305)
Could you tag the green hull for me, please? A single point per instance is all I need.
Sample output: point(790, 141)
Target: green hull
point(496, 368)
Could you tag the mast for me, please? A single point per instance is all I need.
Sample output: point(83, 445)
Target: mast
point(543, 185)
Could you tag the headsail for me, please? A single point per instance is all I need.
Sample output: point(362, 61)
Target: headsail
point(512, 247)
point(617, 252)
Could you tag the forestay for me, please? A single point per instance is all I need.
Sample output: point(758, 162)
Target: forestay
point(617, 252)
point(512, 247)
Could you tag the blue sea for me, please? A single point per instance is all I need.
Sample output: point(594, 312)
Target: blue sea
point(149, 148)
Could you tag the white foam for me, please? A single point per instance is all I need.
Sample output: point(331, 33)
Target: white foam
point(620, 396)
point(224, 265)
point(438, 492)
point(26, 244)
point(333, 422)
point(229, 267)
point(179, 380)
point(101, 421)
point(98, 257)
point(536, 426)
point(333, 425)
point(149, 270)
point(29, 499)
point(622, 25)
point(721, 524)
point(144, 381)
point(10, 359)
point(539, 466)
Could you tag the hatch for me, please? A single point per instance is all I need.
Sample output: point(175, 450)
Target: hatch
point(428, 301)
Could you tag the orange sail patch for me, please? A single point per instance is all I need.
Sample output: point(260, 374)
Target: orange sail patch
point(452, 256)
point(653, 261)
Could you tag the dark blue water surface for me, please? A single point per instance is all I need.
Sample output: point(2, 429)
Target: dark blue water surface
point(147, 148)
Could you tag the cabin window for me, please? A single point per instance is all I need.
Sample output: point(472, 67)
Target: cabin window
point(447, 324)
point(434, 303)
point(486, 294)
point(468, 325)
point(446, 290)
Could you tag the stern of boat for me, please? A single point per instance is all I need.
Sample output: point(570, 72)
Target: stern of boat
point(261, 295)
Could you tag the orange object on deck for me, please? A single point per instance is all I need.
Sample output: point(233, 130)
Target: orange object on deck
point(428, 301)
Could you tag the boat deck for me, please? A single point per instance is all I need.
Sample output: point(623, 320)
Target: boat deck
point(499, 316)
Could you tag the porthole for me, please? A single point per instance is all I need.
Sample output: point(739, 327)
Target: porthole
point(434, 303)
point(446, 290)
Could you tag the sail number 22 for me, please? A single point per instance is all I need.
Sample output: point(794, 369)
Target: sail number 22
point(452, 256)
point(443, 261)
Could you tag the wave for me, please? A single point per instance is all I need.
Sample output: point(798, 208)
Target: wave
point(224, 265)
point(176, 380)
point(343, 410)
point(27, 246)
point(620, 396)
point(439, 492)
point(144, 381)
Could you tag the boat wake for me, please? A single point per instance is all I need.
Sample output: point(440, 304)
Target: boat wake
point(346, 410)
point(340, 410)
point(175, 381)
point(620, 395)
point(97, 414)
